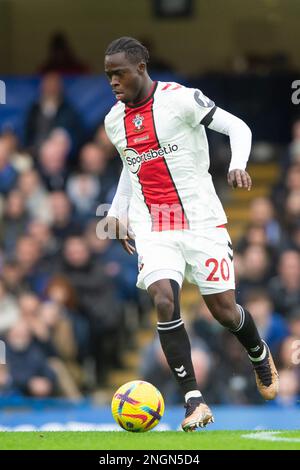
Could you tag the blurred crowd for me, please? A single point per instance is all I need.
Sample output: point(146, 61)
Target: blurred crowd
point(68, 301)
point(69, 307)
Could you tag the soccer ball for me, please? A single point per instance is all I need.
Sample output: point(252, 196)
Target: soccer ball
point(137, 406)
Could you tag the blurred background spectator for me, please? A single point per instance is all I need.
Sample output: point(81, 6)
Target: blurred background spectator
point(61, 58)
point(52, 111)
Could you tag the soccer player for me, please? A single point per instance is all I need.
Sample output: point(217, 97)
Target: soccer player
point(174, 213)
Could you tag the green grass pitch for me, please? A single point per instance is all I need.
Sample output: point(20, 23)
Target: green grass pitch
point(166, 440)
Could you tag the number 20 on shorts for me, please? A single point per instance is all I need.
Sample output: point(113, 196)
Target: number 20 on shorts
point(217, 269)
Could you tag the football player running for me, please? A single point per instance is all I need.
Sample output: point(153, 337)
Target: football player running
point(166, 194)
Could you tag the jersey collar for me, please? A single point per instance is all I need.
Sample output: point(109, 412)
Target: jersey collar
point(145, 100)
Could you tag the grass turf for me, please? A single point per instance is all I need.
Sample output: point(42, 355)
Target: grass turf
point(206, 440)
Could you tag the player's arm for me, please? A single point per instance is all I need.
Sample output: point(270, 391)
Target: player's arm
point(240, 142)
point(197, 108)
point(117, 214)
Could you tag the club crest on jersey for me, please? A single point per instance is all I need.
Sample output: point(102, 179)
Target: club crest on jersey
point(138, 122)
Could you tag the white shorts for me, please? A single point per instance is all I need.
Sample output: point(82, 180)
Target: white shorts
point(204, 259)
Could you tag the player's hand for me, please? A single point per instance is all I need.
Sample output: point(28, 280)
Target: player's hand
point(123, 236)
point(126, 245)
point(239, 179)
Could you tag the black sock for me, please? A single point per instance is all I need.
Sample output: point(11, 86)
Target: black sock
point(248, 336)
point(176, 346)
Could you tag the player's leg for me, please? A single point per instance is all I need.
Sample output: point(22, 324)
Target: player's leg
point(172, 334)
point(239, 321)
point(210, 259)
point(161, 271)
point(175, 343)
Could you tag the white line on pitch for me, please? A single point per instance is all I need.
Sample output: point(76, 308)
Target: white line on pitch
point(270, 436)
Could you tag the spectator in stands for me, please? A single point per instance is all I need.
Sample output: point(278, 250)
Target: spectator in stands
point(114, 164)
point(289, 388)
point(289, 355)
point(292, 240)
point(293, 178)
point(94, 161)
point(235, 374)
point(294, 322)
point(83, 191)
point(262, 213)
point(104, 142)
point(239, 268)
point(12, 276)
point(14, 222)
point(88, 278)
point(97, 301)
point(60, 331)
point(271, 326)
point(291, 210)
point(256, 270)
point(292, 154)
point(61, 291)
point(285, 287)
point(156, 63)
point(10, 138)
point(34, 194)
point(30, 305)
point(52, 164)
point(9, 310)
point(6, 386)
point(60, 137)
point(203, 323)
point(8, 174)
point(19, 160)
point(119, 267)
point(290, 183)
point(52, 111)
point(35, 273)
point(30, 372)
point(52, 334)
point(61, 57)
point(61, 211)
point(97, 246)
point(255, 235)
point(43, 235)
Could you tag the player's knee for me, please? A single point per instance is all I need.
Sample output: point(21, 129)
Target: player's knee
point(165, 307)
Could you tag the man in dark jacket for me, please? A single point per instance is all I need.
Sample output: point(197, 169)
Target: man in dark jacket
point(50, 112)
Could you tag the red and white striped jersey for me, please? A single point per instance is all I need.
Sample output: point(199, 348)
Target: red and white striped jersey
point(164, 149)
